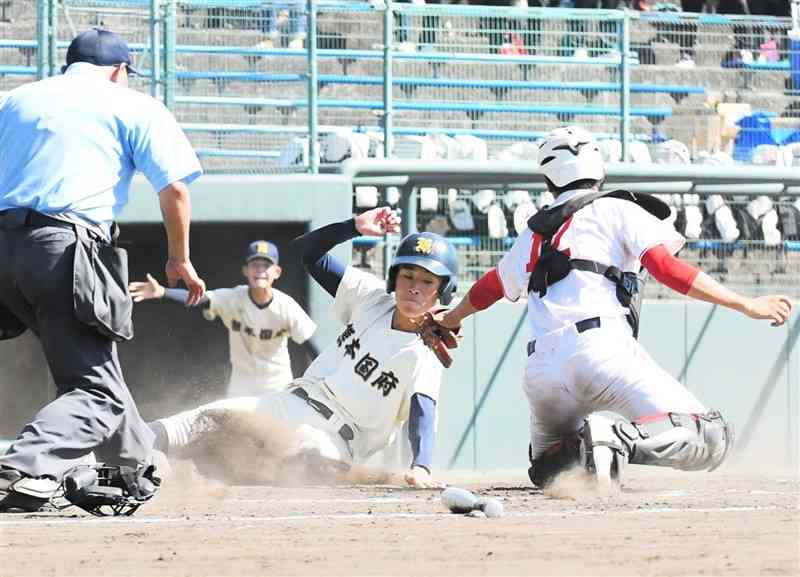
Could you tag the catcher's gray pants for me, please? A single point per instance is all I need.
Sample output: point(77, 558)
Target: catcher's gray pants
point(94, 410)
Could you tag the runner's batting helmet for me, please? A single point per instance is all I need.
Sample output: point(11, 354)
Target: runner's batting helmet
point(432, 252)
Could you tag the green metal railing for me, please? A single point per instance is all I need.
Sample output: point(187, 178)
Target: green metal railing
point(203, 58)
point(161, 22)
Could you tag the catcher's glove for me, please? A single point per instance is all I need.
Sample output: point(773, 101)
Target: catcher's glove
point(439, 338)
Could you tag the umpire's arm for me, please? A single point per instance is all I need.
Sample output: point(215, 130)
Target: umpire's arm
point(176, 209)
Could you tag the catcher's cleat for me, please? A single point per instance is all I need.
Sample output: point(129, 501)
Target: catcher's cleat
point(22, 494)
point(559, 457)
point(602, 453)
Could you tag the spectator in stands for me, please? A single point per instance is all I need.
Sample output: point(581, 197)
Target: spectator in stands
point(748, 38)
point(513, 36)
point(684, 33)
point(431, 26)
point(289, 15)
point(753, 38)
point(579, 42)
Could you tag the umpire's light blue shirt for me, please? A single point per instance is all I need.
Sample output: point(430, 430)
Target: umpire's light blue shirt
point(70, 145)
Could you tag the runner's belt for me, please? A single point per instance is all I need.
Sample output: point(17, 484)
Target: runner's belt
point(345, 431)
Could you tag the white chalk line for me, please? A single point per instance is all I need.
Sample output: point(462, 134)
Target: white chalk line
point(367, 500)
point(220, 518)
point(687, 492)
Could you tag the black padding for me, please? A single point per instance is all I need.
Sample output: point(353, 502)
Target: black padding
point(557, 459)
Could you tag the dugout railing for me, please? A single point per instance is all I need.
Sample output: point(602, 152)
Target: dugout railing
point(752, 261)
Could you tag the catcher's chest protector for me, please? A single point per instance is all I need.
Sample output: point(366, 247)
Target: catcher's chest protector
point(553, 265)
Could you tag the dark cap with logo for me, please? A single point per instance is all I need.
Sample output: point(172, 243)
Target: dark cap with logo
point(101, 48)
point(262, 249)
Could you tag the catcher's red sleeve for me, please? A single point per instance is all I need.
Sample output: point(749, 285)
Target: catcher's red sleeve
point(487, 291)
point(669, 270)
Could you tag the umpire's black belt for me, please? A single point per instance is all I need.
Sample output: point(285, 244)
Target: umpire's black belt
point(345, 431)
point(580, 326)
point(25, 217)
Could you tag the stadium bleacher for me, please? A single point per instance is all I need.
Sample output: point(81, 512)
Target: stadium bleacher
point(456, 75)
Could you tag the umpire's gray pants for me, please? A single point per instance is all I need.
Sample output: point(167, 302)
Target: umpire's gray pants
point(94, 410)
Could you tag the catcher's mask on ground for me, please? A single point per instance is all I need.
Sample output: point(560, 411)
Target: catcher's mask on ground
point(570, 154)
point(432, 252)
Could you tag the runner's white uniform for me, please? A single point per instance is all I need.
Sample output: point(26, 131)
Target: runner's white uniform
point(258, 337)
point(571, 374)
point(366, 379)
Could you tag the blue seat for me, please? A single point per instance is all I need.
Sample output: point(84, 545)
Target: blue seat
point(712, 244)
point(17, 70)
point(440, 82)
point(780, 65)
point(654, 114)
point(793, 138)
point(755, 129)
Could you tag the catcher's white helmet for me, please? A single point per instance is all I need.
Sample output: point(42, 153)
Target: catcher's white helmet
point(570, 154)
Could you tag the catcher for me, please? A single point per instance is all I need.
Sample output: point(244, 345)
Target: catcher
point(377, 375)
point(579, 265)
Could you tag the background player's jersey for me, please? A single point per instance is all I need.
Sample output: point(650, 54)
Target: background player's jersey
point(258, 336)
point(373, 370)
point(609, 231)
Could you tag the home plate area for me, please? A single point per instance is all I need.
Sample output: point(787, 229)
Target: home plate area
point(736, 521)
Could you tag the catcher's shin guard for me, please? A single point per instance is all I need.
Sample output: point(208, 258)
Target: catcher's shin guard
point(691, 442)
point(602, 452)
point(556, 459)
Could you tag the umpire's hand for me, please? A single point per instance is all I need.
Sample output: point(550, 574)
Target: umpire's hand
point(183, 270)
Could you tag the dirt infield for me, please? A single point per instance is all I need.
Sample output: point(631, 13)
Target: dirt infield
point(731, 522)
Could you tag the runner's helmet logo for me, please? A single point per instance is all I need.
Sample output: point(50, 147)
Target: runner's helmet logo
point(424, 245)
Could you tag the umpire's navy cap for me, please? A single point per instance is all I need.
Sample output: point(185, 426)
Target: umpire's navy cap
point(101, 48)
point(262, 249)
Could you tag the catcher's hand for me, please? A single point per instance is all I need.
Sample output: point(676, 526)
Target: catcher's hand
point(438, 338)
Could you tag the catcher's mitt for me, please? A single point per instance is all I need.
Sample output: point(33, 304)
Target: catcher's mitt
point(439, 338)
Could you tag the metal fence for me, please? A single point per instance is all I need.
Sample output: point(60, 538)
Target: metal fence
point(742, 224)
point(750, 264)
point(238, 73)
point(18, 46)
point(509, 75)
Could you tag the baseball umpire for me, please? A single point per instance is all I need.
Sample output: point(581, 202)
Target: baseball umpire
point(71, 144)
point(579, 265)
